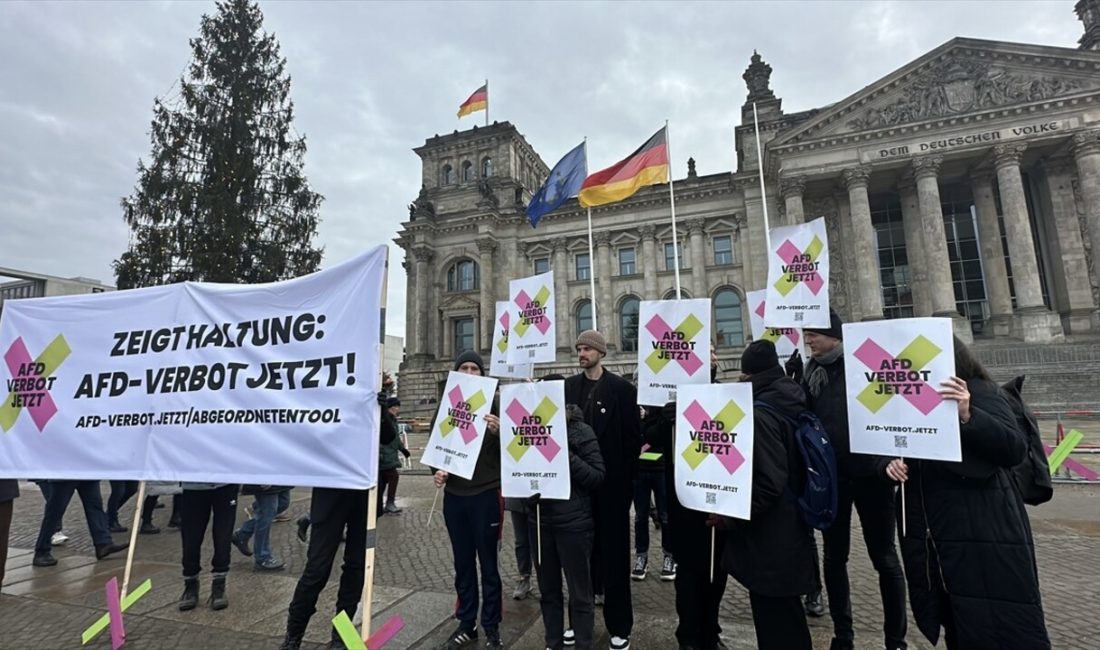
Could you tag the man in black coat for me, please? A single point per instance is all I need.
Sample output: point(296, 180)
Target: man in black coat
point(610, 406)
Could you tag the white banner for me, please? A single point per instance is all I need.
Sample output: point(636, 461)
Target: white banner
point(459, 428)
point(268, 383)
point(534, 443)
point(798, 276)
point(893, 370)
point(673, 348)
point(714, 436)
point(498, 362)
point(532, 319)
point(787, 340)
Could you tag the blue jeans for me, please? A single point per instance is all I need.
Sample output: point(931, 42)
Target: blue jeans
point(57, 502)
point(284, 501)
point(263, 513)
point(645, 483)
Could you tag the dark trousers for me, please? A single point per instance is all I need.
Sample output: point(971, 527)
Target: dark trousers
point(147, 508)
point(780, 623)
point(121, 491)
point(387, 483)
point(611, 561)
point(817, 563)
point(473, 523)
point(874, 501)
point(525, 550)
point(197, 508)
point(649, 483)
point(569, 552)
point(57, 502)
point(697, 597)
point(5, 530)
point(331, 513)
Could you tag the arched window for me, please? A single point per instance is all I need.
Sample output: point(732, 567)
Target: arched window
point(584, 316)
point(728, 328)
point(467, 171)
point(671, 295)
point(628, 323)
point(463, 276)
point(486, 167)
point(447, 175)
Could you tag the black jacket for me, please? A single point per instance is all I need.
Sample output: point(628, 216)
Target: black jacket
point(831, 407)
point(486, 474)
point(9, 489)
point(612, 412)
point(586, 473)
point(968, 538)
point(772, 553)
point(657, 443)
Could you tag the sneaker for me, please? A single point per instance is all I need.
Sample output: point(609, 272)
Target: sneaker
point(282, 517)
point(241, 543)
point(303, 528)
point(523, 588)
point(813, 605)
point(270, 564)
point(641, 564)
point(460, 638)
point(45, 559)
point(668, 568)
point(619, 643)
point(391, 508)
point(597, 600)
point(492, 639)
point(59, 538)
point(569, 638)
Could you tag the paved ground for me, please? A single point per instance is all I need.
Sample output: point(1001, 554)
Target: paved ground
point(48, 608)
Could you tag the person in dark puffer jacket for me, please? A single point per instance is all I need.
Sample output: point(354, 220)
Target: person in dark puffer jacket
point(968, 551)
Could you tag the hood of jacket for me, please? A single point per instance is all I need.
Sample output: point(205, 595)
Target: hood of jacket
point(775, 388)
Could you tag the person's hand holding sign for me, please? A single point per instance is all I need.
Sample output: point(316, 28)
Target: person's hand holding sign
point(955, 388)
point(492, 423)
point(897, 470)
point(441, 478)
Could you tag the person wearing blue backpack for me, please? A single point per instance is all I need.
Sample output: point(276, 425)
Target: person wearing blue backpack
point(859, 485)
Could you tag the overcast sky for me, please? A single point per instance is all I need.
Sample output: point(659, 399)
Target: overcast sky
point(372, 80)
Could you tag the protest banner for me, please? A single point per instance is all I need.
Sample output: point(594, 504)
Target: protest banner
point(798, 276)
point(498, 360)
point(787, 340)
point(532, 319)
point(267, 384)
point(714, 437)
point(459, 428)
point(673, 348)
point(534, 443)
point(893, 370)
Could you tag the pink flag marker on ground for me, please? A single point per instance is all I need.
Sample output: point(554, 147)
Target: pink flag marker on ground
point(385, 633)
point(114, 610)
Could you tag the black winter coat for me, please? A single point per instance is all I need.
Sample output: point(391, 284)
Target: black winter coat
point(9, 489)
point(586, 473)
point(831, 407)
point(772, 554)
point(612, 412)
point(968, 539)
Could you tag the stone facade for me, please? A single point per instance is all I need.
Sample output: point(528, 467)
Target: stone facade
point(965, 184)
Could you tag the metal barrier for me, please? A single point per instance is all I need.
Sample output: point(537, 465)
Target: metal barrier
point(1072, 471)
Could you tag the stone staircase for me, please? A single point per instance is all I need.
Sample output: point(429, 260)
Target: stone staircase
point(1060, 376)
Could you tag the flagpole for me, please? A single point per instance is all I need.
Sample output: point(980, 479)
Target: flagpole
point(591, 253)
point(672, 205)
point(486, 102)
point(763, 193)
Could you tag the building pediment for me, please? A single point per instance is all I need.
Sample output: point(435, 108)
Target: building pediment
point(960, 78)
point(464, 300)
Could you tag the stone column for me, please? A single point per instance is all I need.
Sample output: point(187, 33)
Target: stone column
point(1086, 152)
point(993, 259)
point(1079, 313)
point(603, 280)
point(561, 291)
point(792, 187)
point(1032, 321)
point(925, 171)
point(914, 246)
point(424, 287)
point(698, 258)
point(488, 296)
point(870, 286)
point(648, 260)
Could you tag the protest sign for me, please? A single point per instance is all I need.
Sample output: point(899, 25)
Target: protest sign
point(534, 443)
point(798, 276)
point(459, 428)
point(267, 384)
point(673, 348)
point(714, 436)
point(532, 319)
point(787, 340)
point(893, 370)
point(498, 361)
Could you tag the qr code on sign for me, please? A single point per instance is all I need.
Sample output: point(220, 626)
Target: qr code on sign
point(712, 498)
point(534, 485)
point(798, 316)
point(530, 354)
point(901, 442)
point(446, 460)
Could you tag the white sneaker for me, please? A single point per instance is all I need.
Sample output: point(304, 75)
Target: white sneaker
point(619, 643)
point(569, 638)
point(59, 538)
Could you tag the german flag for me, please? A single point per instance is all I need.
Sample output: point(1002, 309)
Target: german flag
point(646, 166)
point(478, 101)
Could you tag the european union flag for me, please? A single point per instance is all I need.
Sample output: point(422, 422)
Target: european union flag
point(563, 184)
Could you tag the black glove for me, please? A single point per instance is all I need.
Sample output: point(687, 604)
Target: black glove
point(794, 366)
point(532, 501)
point(668, 411)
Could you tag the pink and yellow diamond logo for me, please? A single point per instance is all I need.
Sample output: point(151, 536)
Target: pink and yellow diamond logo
point(800, 267)
point(903, 375)
point(674, 344)
point(461, 414)
point(773, 334)
point(532, 430)
point(502, 344)
point(31, 381)
point(532, 311)
point(714, 436)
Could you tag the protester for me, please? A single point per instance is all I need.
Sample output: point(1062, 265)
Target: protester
point(199, 504)
point(265, 503)
point(771, 554)
point(121, 491)
point(9, 491)
point(610, 407)
point(472, 512)
point(968, 550)
point(59, 538)
point(567, 531)
point(281, 515)
point(859, 485)
point(524, 548)
point(57, 501)
point(650, 484)
point(388, 462)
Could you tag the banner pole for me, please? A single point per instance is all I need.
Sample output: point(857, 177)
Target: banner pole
point(538, 531)
point(672, 206)
point(133, 541)
point(713, 543)
point(902, 490)
point(486, 102)
point(591, 253)
point(763, 192)
point(435, 500)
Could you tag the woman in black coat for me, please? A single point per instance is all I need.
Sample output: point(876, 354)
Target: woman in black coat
point(968, 552)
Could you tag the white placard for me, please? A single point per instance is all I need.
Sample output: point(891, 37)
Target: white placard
point(714, 438)
point(798, 276)
point(893, 370)
point(267, 384)
point(673, 347)
point(459, 428)
point(498, 361)
point(787, 340)
point(534, 442)
point(532, 320)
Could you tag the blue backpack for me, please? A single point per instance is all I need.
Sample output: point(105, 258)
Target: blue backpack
point(817, 503)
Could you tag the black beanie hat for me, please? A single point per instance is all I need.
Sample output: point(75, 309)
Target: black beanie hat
point(834, 330)
point(758, 357)
point(470, 355)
